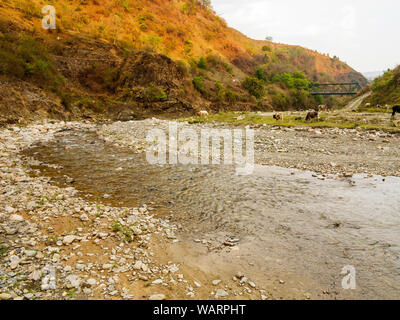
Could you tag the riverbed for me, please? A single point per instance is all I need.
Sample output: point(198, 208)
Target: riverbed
point(292, 231)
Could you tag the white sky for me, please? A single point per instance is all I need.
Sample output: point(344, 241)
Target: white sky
point(363, 33)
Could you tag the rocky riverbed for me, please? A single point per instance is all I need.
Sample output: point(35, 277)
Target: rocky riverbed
point(57, 244)
point(323, 150)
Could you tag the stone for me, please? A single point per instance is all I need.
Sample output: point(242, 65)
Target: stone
point(216, 282)
point(14, 262)
point(5, 296)
point(16, 217)
point(107, 266)
point(221, 294)
point(30, 253)
point(91, 282)
point(69, 239)
point(9, 209)
point(138, 265)
point(84, 217)
point(35, 275)
point(73, 281)
point(157, 297)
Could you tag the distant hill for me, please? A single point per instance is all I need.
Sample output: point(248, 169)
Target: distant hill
point(135, 58)
point(386, 88)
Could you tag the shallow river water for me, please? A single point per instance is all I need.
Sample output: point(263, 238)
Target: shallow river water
point(280, 218)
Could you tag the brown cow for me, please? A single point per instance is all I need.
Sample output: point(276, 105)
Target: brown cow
point(312, 115)
point(278, 116)
point(322, 108)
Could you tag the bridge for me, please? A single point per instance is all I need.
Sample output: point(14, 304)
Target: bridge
point(338, 89)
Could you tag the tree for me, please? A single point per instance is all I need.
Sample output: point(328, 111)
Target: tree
point(269, 38)
point(254, 86)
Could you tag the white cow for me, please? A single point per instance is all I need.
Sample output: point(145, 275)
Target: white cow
point(202, 113)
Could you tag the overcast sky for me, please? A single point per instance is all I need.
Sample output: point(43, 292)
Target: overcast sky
point(363, 33)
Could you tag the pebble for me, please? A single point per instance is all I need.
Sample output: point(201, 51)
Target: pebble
point(69, 239)
point(5, 296)
point(16, 217)
point(157, 297)
point(221, 294)
point(216, 282)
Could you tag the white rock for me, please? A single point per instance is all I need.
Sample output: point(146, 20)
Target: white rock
point(35, 275)
point(16, 217)
point(107, 266)
point(74, 281)
point(9, 209)
point(91, 282)
point(30, 253)
point(84, 217)
point(5, 296)
point(69, 239)
point(221, 294)
point(138, 265)
point(157, 297)
point(216, 282)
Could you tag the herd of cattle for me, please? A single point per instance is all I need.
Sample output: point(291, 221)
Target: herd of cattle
point(311, 115)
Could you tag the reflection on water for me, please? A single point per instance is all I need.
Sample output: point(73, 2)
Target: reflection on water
point(315, 226)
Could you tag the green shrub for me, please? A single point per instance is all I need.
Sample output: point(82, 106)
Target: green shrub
point(254, 86)
point(198, 83)
point(260, 74)
point(220, 91)
point(266, 48)
point(152, 42)
point(26, 58)
point(183, 67)
point(230, 96)
point(202, 64)
point(153, 93)
point(228, 67)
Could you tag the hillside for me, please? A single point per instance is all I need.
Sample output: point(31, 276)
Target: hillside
point(386, 89)
point(131, 59)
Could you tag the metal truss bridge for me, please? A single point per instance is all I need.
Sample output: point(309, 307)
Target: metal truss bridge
point(338, 89)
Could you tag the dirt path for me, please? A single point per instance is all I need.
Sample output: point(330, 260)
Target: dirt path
point(353, 105)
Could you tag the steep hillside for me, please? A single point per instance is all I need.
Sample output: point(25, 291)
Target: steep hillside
point(135, 58)
point(386, 89)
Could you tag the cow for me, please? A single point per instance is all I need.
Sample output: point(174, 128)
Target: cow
point(322, 107)
point(396, 109)
point(278, 116)
point(312, 115)
point(202, 113)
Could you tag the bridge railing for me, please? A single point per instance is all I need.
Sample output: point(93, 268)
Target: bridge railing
point(339, 88)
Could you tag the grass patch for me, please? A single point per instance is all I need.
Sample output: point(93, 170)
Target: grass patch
point(3, 250)
point(125, 233)
point(289, 121)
